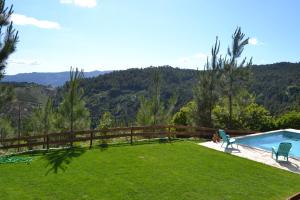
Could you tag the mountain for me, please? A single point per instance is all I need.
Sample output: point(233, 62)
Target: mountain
point(27, 96)
point(119, 91)
point(48, 78)
point(276, 87)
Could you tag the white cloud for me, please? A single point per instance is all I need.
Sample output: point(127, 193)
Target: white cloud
point(254, 41)
point(24, 62)
point(24, 20)
point(81, 3)
point(66, 1)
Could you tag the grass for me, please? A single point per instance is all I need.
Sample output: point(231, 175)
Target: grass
point(180, 170)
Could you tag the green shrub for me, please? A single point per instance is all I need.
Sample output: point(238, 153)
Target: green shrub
point(106, 121)
point(185, 116)
point(221, 118)
point(258, 118)
point(6, 128)
point(289, 120)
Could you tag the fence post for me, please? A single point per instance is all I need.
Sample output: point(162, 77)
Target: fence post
point(91, 141)
point(44, 141)
point(131, 135)
point(169, 134)
point(19, 126)
point(71, 138)
point(1, 139)
point(18, 143)
point(47, 138)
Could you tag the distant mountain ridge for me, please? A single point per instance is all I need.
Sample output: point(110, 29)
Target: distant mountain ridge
point(276, 87)
point(54, 79)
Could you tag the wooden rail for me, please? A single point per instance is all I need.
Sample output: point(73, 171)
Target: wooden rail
point(128, 133)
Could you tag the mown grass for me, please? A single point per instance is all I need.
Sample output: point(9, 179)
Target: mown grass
point(180, 170)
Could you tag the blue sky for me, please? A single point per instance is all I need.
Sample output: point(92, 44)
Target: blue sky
point(121, 34)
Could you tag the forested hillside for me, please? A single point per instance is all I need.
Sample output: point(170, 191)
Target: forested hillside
point(119, 91)
point(276, 86)
point(26, 97)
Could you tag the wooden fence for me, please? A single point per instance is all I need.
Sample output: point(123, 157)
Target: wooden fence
point(129, 134)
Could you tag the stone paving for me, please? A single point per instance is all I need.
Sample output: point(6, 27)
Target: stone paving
point(293, 165)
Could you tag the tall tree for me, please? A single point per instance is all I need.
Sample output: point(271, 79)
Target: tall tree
point(241, 100)
point(10, 37)
point(72, 113)
point(42, 119)
point(48, 116)
point(206, 92)
point(157, 107)
point(144, 115)
point(6, 128)
point(153, 111)
point(6, 95)
point(105, 123)
point(8, 41)
point(235, 72)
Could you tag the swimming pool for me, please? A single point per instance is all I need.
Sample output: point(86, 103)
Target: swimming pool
point(272, 139)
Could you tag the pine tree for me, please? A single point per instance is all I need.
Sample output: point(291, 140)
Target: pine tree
point(6, 128)
point(10, 37)
point(105, 123)
point(42, 120)
point(6, 95)
point(144, 115)
point(235, 72)
point(8, 41)
point(72, 113)
point(156, 103)
point(206, 92)
point(153, 111)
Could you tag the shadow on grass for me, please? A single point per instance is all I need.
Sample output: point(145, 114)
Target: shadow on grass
point(140, 142)
point(59, 159)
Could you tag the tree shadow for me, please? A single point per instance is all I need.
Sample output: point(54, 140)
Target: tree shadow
point(143, 142)
point(59, 159)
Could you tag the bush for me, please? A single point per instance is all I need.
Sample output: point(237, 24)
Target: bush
point(221, 118)
point(185, 115)
point(289, 120)
point(6, 128)
point(256, 117)
point(106, 121)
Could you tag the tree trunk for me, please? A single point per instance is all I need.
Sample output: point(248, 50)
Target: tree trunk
point(230, 111)
point(71, 134)
point(71, 120)
point(230, 104)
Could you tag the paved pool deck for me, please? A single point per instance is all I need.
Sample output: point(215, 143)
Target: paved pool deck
point(293, 165)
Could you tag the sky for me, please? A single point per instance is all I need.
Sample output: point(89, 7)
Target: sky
point(120, 34)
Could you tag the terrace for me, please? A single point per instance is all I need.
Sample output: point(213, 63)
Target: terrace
point(257, 154)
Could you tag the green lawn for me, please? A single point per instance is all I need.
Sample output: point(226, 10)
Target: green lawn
point(180, 170)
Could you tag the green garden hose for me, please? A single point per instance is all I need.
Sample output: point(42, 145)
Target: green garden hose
point(14, 159)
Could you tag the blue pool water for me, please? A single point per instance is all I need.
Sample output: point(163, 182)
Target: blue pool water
point(273, 139)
